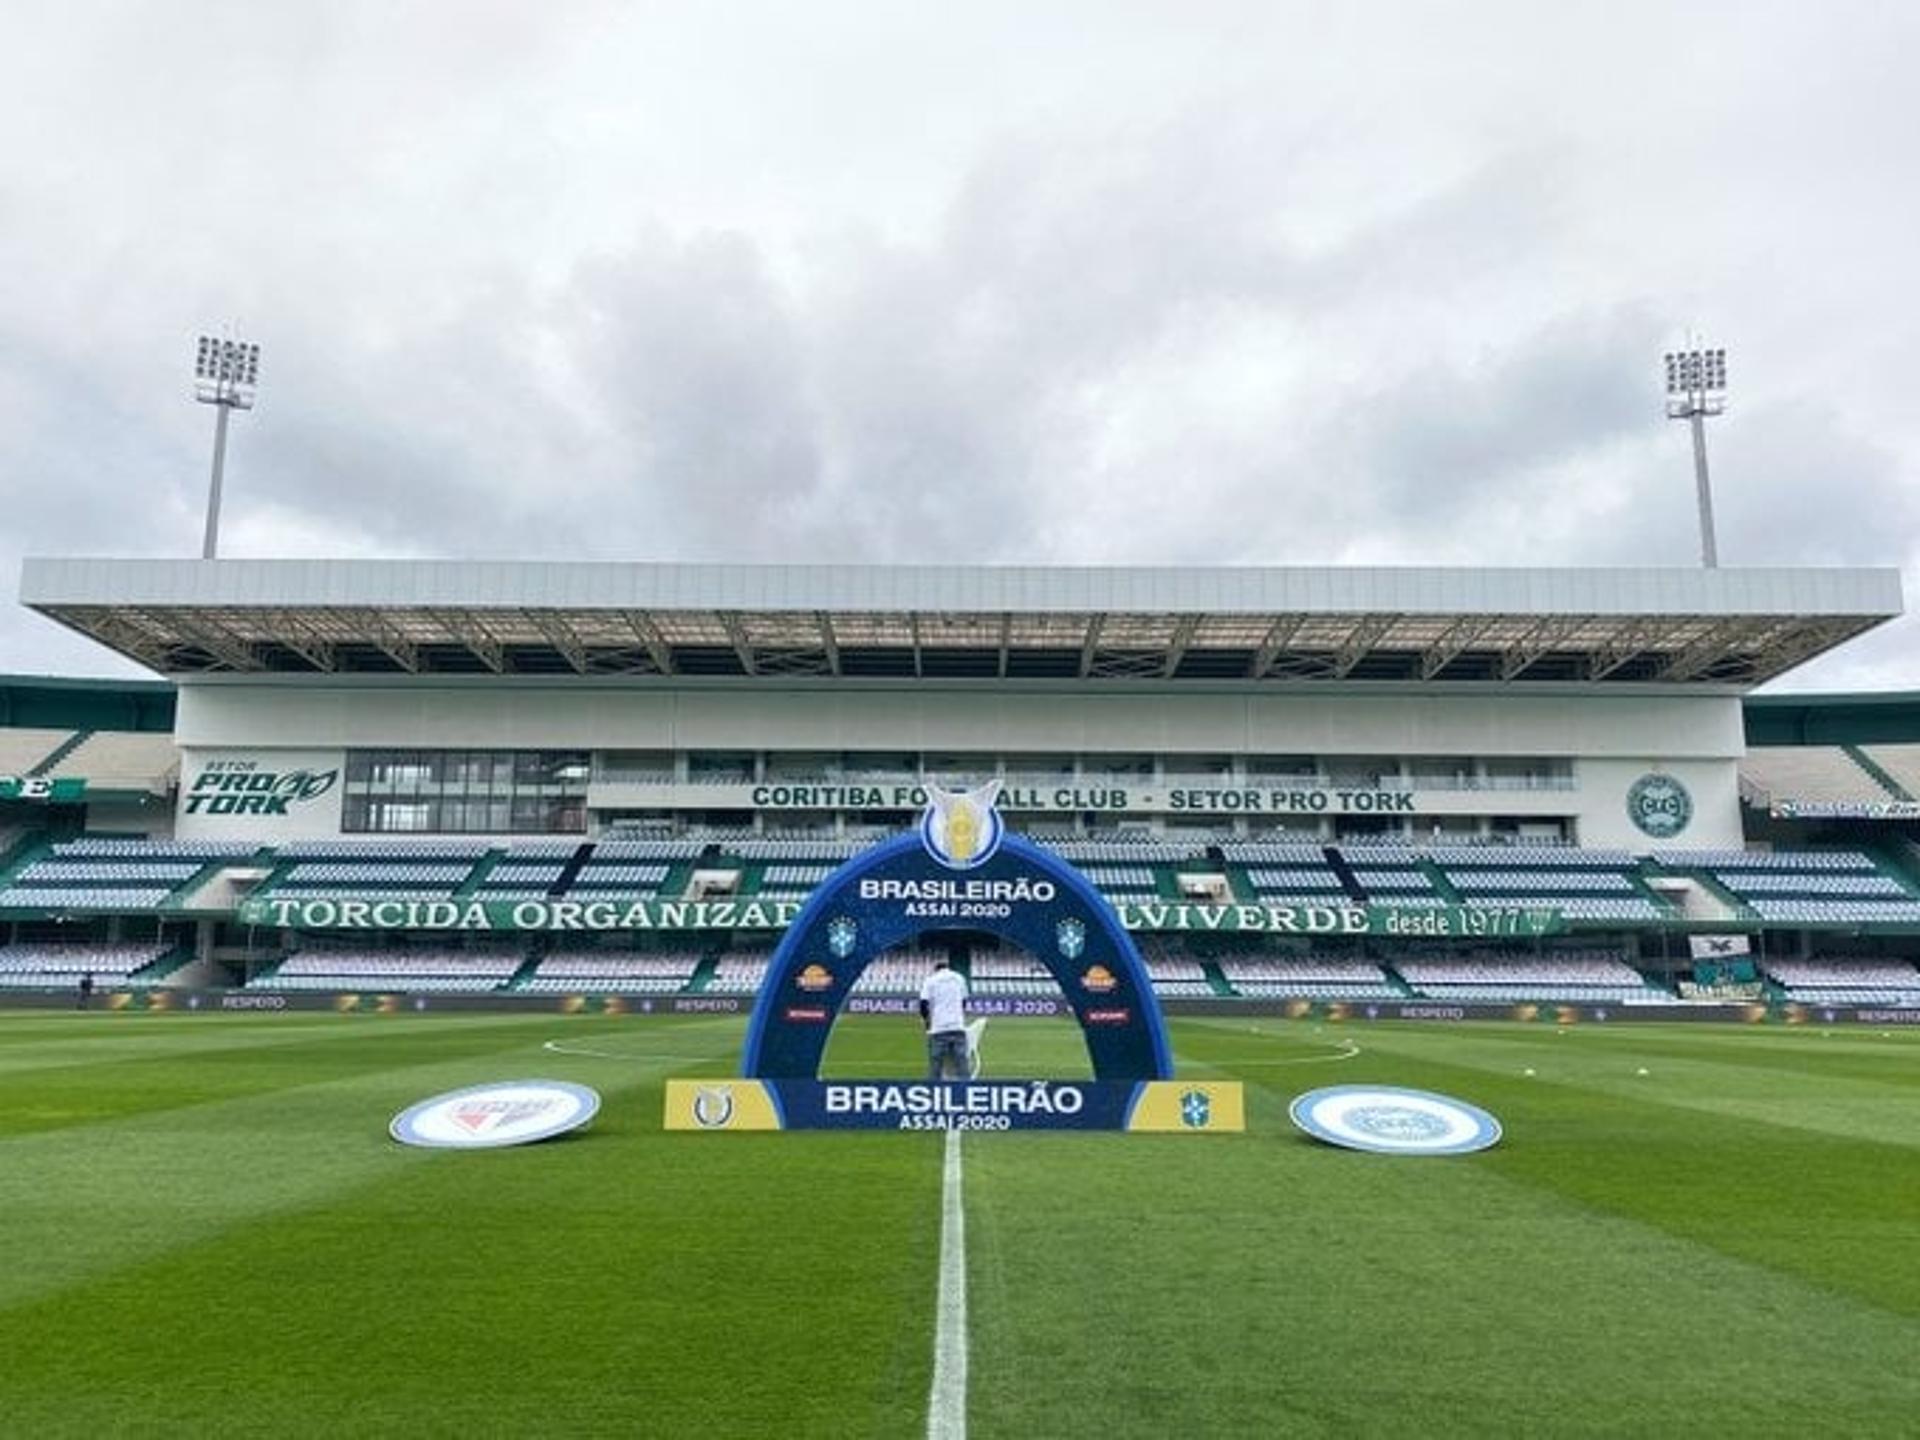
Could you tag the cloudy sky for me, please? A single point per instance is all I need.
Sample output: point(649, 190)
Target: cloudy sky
point(1101, 282)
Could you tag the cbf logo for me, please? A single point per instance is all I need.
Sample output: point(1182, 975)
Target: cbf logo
point(240, 787)
point(1196, 1109)
point(1659, 806)
point(1071, 936)
point(842, 935)
point(960, 828)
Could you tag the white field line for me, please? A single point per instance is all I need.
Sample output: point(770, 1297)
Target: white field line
point(1352, 1049)
point(947, 1404)
point(561, 1048)
point(564, 1047)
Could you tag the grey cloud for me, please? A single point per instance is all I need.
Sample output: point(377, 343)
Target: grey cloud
point(1275, 317)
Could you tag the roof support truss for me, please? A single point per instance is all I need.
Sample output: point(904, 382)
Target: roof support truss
point(1279, 635)
point(218, 641)
point(737, 635)
point(1366, 633)
point(1177, 646)
point(1542, 639)
point(648, 634)
point(308, 643)
point(392, 642)
point(1713, 643)
point(562, 636)
point(828, 642)
point(1782, 651)
point(474, 635)
point(1638, 646)
point(120, 633)
point(1453, 642)
point(1090, 644)
point(1622, 645)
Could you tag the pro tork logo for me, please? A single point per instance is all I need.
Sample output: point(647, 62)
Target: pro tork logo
point(1659, 806)
point(240, 787)
point(960, 828)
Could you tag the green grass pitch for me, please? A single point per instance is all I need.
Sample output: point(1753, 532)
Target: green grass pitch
point(204, 1230)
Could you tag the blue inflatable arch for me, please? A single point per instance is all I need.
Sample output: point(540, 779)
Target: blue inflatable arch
point(1023, 894)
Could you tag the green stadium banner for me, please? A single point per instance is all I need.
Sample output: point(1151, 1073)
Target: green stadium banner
point(64, 791)
point(1453, 921)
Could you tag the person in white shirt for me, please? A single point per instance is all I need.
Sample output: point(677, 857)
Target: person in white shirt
point(943, 1010)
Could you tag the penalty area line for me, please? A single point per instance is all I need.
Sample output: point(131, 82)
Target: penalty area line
point(947, 1402)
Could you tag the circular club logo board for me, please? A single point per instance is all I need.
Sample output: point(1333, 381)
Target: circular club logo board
point(515, 1112)
point(1392, 1121)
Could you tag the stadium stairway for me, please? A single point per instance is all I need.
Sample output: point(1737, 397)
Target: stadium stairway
point(1881, 775)
point(1735, 907)
point(1349, 881)
point(1439, 880)
point(1900, 860)
point(1636, 877)
point(536, 952)
point(26, 849)
point(280, 868)
point(702, 973)
point(570, 872)
point(168, 965)
point(60, 752)
point(178, 897)
point(1216, 980)
point(470, 887)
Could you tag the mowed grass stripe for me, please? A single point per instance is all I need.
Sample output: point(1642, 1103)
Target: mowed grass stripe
point(96, 1039)
point(252, 1057)
point(624, 1281)
point(1280, 1287)
point(88, 1198)
point(1673, 1151)
point(1267, 1284)
point(1120, 1284)
point(1869, 1093)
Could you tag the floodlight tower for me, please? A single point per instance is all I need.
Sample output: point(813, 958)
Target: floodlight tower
point(1697, 388)
point(225, 374)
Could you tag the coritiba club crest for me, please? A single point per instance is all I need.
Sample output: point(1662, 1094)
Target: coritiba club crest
point(1659, 806)
point(960, 828)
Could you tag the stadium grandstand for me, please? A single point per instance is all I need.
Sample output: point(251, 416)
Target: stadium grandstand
point(523, 782)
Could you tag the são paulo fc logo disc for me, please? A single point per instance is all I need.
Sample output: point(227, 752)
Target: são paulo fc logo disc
point(1392, 1121)
point(515, 1112)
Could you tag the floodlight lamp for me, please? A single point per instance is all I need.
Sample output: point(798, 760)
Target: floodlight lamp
point(1695, 372)
point(226, 371)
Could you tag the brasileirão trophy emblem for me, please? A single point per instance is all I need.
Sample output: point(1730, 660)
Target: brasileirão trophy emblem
point(960, 828)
